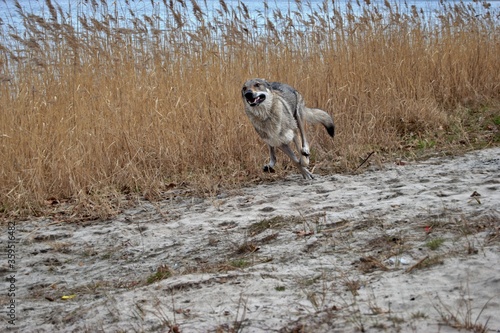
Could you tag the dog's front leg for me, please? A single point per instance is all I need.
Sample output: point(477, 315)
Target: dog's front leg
point(272, 160)
point(305, 173)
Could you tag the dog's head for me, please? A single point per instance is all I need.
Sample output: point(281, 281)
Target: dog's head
point(255, 91)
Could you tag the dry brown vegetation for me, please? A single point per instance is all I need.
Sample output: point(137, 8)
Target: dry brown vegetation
point(94, 107)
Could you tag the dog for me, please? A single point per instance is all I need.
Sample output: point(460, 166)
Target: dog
point(278, 113)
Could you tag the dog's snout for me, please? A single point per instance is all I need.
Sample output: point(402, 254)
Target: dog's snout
point(248, 94)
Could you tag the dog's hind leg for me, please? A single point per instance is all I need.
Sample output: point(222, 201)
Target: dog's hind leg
point(272, 160)
point(305, 173)
point(304, 160)
point(304, 150)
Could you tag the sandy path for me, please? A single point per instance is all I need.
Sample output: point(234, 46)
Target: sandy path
point(340, 253)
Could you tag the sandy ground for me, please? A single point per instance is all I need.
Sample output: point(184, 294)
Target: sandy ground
point(407, 247)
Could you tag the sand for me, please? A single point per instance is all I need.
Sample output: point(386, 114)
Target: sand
point(402, 247)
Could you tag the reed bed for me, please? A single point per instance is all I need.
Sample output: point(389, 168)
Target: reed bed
point(104, 104)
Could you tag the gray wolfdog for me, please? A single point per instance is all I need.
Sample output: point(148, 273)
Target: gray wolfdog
point(278, 112)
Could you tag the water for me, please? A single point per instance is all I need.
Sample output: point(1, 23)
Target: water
point(258, 10)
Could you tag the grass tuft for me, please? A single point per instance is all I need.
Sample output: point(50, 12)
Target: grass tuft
point(435, 243)
point(163, 272)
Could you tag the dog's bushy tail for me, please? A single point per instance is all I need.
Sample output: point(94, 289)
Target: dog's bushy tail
point(317, 116)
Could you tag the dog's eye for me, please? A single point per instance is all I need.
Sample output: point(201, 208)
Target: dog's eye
point(257, 85)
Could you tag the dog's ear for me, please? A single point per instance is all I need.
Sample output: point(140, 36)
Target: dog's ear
point(266, 84)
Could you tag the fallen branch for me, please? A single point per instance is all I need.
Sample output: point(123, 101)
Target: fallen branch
point(364, 161)
point(417, 264)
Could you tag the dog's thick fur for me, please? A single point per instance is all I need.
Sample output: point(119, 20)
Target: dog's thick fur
point(278, 112)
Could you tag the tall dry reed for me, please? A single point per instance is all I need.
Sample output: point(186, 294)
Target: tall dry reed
point(94, 106)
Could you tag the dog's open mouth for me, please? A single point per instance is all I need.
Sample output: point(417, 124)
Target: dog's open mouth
point(254, 100)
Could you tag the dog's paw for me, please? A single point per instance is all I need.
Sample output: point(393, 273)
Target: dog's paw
point(268, 168)
point(307, 174)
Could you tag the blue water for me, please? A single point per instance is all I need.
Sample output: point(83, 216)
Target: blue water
point(260, 11)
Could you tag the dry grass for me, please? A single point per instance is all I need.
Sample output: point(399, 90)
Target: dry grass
point(94, 107)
